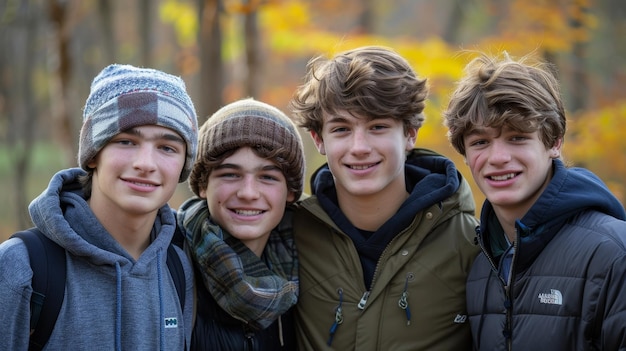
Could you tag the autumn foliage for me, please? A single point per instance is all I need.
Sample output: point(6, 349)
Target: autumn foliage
point(65, 47)
point(559, 31)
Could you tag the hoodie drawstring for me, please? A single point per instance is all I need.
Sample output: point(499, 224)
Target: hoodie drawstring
point(118, 307)
point(161, 313)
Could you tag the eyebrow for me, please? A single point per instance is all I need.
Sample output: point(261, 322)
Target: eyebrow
point(476, 131)
point(170, 136)
point(270, 167)
point(337, 119)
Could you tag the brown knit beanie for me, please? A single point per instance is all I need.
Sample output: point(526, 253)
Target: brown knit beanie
point(252, 123)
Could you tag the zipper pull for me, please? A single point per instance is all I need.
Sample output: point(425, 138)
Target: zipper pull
point(338, 318)
point(363, 301)
point(403, 303)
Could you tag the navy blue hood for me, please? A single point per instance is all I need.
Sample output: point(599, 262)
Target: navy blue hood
point(430, 179)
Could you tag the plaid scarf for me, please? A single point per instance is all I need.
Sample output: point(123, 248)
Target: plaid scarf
point(252, 289)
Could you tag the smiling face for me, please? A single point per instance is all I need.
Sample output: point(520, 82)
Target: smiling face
point(365, 156)
point(246, 195)
point(511, 168)
point(137, 172)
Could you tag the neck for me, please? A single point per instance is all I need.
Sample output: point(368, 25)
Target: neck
point(131, 232)
point(370, 212)
point(507, 221)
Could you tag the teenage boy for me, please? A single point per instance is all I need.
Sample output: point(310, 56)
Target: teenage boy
point(386, 240)
point(137, 142)
point(250, 167)
point(552, 270)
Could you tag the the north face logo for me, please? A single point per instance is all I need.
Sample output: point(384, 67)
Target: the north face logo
point(460, 318)
point(171, 322)
point(553, 298)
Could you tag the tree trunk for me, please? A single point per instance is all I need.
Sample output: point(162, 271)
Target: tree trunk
point(145, 20)
point(211, 67)
point(105, 13)
point(580, 81)
point(253, 60)
point(16, 89)
point(454, 22)
point(61, 122)
point(366, 18)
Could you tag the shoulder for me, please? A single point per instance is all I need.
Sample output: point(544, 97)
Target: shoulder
point(303, 203)
point(458, 234)
point(14, 263)
point(595, 226)
point(592, 237)
point(13, 250)
point(308, 209)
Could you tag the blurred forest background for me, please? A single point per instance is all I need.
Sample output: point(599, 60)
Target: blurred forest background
point(229, 49)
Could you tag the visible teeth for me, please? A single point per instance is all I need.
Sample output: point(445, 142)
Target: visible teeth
point(142, 184)
point(248, 212)
point(359, 168)
point(503, 177)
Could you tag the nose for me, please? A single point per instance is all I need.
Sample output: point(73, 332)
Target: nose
point(360, 142)
point(499, 153)
point(248, 189)
point(145, 158)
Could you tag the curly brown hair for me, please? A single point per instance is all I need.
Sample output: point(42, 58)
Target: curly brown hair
point(370, 81)
point(499, 91)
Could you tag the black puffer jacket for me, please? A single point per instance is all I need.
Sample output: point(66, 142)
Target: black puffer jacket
point(568, 276)
point(216, 330)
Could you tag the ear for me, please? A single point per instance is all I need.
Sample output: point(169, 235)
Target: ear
point(319, 142)
point(291, 196)
point(555, 151)
point(92, 163)
point(411, 138)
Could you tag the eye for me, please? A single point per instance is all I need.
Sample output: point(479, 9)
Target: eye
point(122, 141)
point(269, 177)
point(274, 175)
point(224, 173)
point(227, 175)
point(170, 148)
point(377, 125)
point(476, 142)
point(338, 130)
point(380, 127)
point(519, 138)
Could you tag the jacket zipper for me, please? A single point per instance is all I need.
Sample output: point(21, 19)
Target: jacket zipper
point(402, 302)
point(509, 297)
point(508, 302)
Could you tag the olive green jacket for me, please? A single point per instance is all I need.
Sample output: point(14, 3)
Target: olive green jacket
point(428, 262)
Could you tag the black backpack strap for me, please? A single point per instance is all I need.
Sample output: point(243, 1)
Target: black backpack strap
point(47, 260)
point(175, 266)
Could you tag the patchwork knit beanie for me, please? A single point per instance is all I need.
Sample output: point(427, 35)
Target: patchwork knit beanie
point(123, 97)
point(252, 123)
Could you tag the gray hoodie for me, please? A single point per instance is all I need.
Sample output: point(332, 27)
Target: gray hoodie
point(112, 302)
